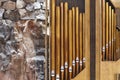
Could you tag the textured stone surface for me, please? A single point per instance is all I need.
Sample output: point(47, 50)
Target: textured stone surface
point(14, 15)
point(1, 13)
point(22, 12)
point(29, 1)
point(30, 7)
point(22, 38)
point(20, 4)
point(36, 5)
point(9, 5)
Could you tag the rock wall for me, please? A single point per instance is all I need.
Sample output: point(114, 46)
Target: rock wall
point(22, 39)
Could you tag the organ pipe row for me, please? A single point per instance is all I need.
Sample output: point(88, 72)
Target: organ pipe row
point(67, 41)
point(110, 35)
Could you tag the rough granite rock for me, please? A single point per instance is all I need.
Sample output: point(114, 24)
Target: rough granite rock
point(22, 12)
point(20, 4)
point(14, 15)
point(9, 5)
point(30, 7)
point(3, 0)
point(36, 5)
point(29, 1)
point(20, 36)
point(1, 13)
point(6, 14)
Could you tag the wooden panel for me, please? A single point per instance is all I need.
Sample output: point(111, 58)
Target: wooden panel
point(108, 72)
point(116, 3)
point(98, 37)
point(87, 38)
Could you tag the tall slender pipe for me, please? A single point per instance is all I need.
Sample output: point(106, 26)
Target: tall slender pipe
point(112, 34)
point(70, 43)
point(109, 33)
point(103, 30)
point(74, 45)
point(66, 38)
point(57, 43)
point(52, 47)
point(62, 42)
point(107, 41)
point(81, 41)
point(77, 39)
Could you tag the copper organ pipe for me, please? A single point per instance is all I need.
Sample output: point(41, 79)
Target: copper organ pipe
point(81, 41)
point(109, 33)
point(66, 39)
point(57, 43)
point(112, 53)
point(103, 30)
point(77, 39)
point(52, 47)
point(70, 43)
point(62, 41)
point(74, 46)
point(107, 41)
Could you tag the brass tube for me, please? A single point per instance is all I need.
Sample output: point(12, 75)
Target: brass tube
point(106, 14)
point(74, 46)
point(112, 34)
point(62, 42)
point(115, 57)
point(103, 30)
point(70, 43)
point(81, 41)
point(57, 43)
point(77, 39)
point(66, 38)
point(52, 40)
point(109, 33)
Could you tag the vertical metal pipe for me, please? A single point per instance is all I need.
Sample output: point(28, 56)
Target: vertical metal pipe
point(77, 39)
point(70, 44)
point(112, 34)
point(57, 43)
point(62, 42)
point(109, 33)
point(114, 37)
point(66, 38)
point(52, 47)
point(103, 30)
point(74, 46)
point(106, 14)
point(81, 41)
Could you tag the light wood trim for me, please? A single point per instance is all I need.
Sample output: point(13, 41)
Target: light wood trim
point(98, 37)
point(86, 30)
